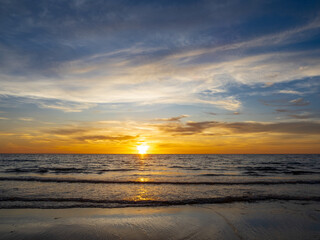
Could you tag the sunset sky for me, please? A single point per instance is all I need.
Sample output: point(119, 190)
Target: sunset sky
point(227, 76)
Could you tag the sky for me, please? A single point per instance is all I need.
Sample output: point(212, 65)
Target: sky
point(231, 76)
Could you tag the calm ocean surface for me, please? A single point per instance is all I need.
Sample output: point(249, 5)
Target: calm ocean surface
point(72, 180)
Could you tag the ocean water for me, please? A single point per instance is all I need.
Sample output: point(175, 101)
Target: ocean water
point(90, 180)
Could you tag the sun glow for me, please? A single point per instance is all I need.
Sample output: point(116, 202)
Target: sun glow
point(142, 149)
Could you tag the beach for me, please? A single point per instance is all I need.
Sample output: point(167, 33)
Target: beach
point(263, 220)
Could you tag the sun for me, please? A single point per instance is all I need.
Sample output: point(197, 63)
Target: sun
point(142, 149)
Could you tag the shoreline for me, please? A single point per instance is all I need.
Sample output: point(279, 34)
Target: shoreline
point(261, 220)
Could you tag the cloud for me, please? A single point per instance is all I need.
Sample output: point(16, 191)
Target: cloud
point(215, 114)
point(298, 102)
point(124, 55)
point(212, 127)
point(172, 119)
point(283, 127)
point(27, 119)
point(211, 113)
point(155, 83)
point(106, 138)
point(298, 113)
point(302, 116)
point(285, 111)
point(68, 131)
point(289, 92)
point(96, 131)
point(64, 106)
point(188, 128)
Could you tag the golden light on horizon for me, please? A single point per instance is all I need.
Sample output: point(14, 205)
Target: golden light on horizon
point(142, 149)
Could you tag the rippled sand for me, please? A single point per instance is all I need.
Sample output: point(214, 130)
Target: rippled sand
point(268, 220)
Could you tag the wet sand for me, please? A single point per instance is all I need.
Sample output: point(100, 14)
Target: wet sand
point(264, 220)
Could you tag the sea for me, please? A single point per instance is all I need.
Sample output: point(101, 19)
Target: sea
point(116, 180)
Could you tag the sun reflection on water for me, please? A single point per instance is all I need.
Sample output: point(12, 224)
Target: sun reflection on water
point(142, 179)
point(142, 193)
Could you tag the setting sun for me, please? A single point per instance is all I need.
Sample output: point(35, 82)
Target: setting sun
point(142, 149)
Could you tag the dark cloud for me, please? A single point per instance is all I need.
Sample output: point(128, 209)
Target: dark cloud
point(299, 102)
point(211, 113)
point(172, 119)
point(191, 128)
point(298, 114)
point(283, 127)
point(67, 131)
point(215, 114)
point(188, 128)
point(301, 116)
point(82, 134)
point(106, 138)
point(284, 111)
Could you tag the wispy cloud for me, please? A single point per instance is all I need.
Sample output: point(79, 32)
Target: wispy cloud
point(290, 92)
point(27, 119)
point(176, 69)
point(65, 106)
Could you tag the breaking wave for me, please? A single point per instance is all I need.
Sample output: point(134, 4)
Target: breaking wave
point(21, 202)
point(101, 181)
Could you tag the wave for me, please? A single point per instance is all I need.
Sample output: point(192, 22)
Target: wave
point(217, 175)
point(186, 168)
point(18, 160)
point(117, 170)
point(96, 203)
point(256, 171)
point(301, 172)
point(62, 170)
point(26, 170)
point(45, 170)
point(248, 171)
point(101, 181)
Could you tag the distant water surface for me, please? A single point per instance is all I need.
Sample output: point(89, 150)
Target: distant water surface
point(112, 180)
